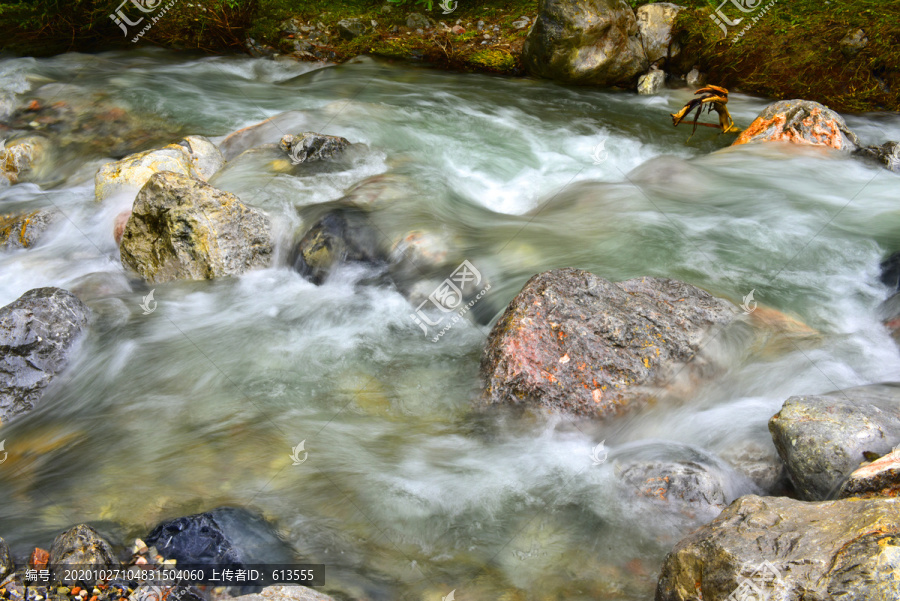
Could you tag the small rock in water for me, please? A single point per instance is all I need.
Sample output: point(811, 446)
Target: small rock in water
point(308, 147)
point(881, 478)
point(695, 78)
point(22, 230)
point(888, 155)
point(344, 236)
point(651, 83)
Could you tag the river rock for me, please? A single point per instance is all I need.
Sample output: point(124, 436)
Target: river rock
point(800, 122)
point(574, 342)
point(226, 537)
point(823, 438)
point(652, 82)
point(340, 237)
point(81, 547)
point(880, 478)
point(775, 548)
point(22, 230)
point(655, 23)
point(695, 78)
point(38, 332)
point(308, 147)
point(286, 593)
point(132, 172)
point(585, 42)
point(418, 21)
point(182, 228)
point(20, 159)
point(350, 28)
point(205, 157)
point(853, 43)
point(6, 563)
point(887, 155)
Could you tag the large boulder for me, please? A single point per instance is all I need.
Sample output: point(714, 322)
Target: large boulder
point(286, 593)
point(800, 122)
point(778, 548)
point(226, 537)
point(182, 228)
point(22, 230)
point(339, 237)
point(132, 172)
point(585, 42)
point(37, 334)
point(575, 342)
point(823, 438)
point(655, 23)
point(81, 547)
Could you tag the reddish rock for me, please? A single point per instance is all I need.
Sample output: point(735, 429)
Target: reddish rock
point(881, 478)
point(574, 342)
point(119, 228)
point(800, 122)
point(39, 559)
point(457, 30)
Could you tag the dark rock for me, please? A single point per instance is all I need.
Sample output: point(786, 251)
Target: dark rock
point(22, 230)
point(418, 21)
point(777, 548)
point(585, 42)
point(350, 28)
point(853, 43)
point(800, 122)
point(575, 342)
point(183, 228)
point(890, 271)
point(7, 566)
point(341, 236)
point(309, 147)
point(823, 438)
point(881, 478)
point(886, 155)
point(226, 537)
point(37, 334)
point(81, 547)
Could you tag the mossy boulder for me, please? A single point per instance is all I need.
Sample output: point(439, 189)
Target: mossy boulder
point(183, 228)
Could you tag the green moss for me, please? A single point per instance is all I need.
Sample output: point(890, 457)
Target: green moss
point(494, 59)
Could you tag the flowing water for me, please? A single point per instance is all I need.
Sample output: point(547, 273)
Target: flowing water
point(406, 492)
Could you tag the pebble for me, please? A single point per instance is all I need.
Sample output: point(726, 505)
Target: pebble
point(480, 25)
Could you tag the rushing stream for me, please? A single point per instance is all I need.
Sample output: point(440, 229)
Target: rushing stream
point(406, 492)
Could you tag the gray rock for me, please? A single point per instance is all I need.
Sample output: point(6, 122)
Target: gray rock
point(182, 228)
point(823, 438)
point(340, 237)
point(881, 478)
point(7, 566)
point(286, 593)
point(887, 155)
point(775, 548)
point(205, 156)
point(23, 230)
point(351, 28)
point(800, 122)
point(651, 83)
point(521, 23)
point(695, 78)
point(418, 21)
point(853, 43)
point(25, 159)
point(762, 465)
point(38, 332)
point(585, 42)
point(81, 547)
point(655, 23)
point(574, 342)
point(308, 147)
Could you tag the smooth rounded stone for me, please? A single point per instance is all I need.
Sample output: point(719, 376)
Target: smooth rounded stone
point(309, 147)
point(182, 228)
point(778, 548)
point(286, 593)
point(205, 156)
point(823, 438)
point(853, 43)
point(571, 341)
point(651, 82)
point(880, 478)
point(226, 537)
point(7, 566)
point(23, 230)
point(350, 28)
point(341, 236)
point(800, 122)
point(695, 78)
point(887, 155)
point(81, 547)
point(25, 159)
point(585, 42)
point(38, 332)
point(655, 23)
point(132, 172)
point(418, 21)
